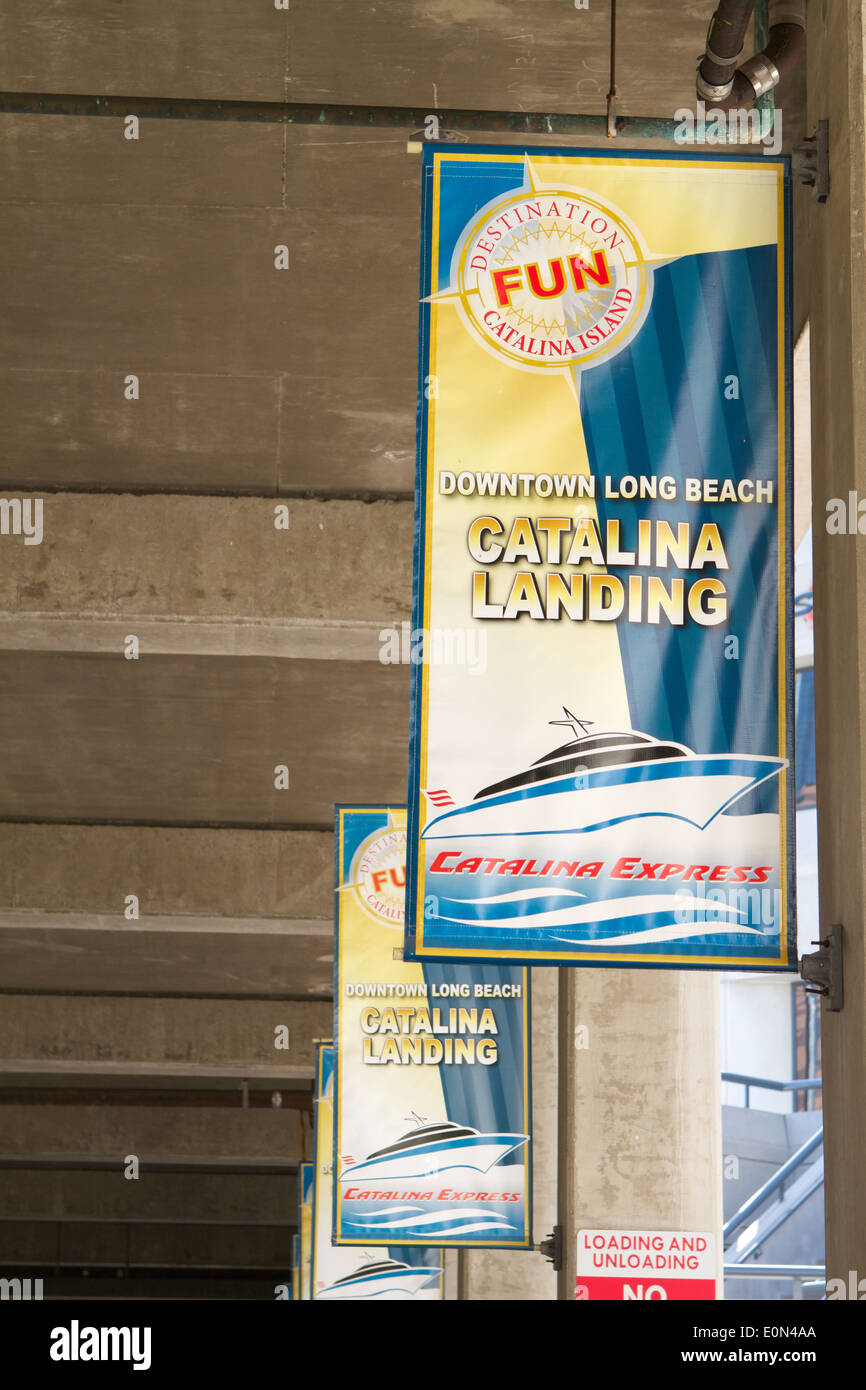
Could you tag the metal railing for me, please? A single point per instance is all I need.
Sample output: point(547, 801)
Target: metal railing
point(803, 1277)
point(763, 1083)
point(756, 1221)
point(748, 1209)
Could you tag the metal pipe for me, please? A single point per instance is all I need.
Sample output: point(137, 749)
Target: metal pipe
point(731, 85)
point(724, 49)
point(813, 1037)
point(611, 95)
point(400, 118)
point(769, 1187)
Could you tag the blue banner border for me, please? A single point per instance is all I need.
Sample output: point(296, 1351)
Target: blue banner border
point(454, 1244)
point(547, 957)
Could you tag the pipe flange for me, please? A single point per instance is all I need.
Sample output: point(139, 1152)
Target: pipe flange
point(762, 73)
point(709, 93)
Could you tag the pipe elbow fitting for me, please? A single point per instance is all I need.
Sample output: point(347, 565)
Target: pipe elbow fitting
point(740, 89)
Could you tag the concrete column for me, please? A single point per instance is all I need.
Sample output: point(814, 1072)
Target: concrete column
point(525, 1275)
point(639, 1105)
point(837, 308)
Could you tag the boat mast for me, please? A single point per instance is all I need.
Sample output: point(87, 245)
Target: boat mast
point(571, 721)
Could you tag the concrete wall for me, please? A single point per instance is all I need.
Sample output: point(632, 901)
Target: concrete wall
point(757, 1037)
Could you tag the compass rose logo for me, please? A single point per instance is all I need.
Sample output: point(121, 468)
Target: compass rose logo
point(379, 876)
point(553, 278)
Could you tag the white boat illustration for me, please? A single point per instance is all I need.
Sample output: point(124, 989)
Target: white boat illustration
point(432, 1149)
point(601, 779)
point(381, 1279)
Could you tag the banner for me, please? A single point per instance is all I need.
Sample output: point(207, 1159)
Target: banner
point(296, 1268)
point(340, 1275)
point(601, 650)
point(305, 1224)
point(432, 1072)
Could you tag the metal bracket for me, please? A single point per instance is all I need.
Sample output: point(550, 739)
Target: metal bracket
point(823, 969)
point(551, 1248)
point(811, 162)
point(611, 115)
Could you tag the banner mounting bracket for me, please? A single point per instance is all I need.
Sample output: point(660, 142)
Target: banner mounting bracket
point(551, 1248)
point(811, 162)
point(823, 969)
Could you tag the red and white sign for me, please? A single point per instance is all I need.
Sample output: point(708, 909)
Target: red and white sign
point(646, 1265)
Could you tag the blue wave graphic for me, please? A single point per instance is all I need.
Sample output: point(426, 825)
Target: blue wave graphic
point(523, 895)
point(626, 920)
point(422, 1217)
point(523, 903)
point(456, 1221)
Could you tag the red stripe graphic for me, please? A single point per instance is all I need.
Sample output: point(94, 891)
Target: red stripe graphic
point(440, 797)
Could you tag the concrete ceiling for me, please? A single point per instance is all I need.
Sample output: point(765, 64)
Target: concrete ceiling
point(490, 54)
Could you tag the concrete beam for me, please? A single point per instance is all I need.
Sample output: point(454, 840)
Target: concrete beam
point(168, 1197)
point(234, 1166)
point(88, 736)
point(301, 639)
point(231, 397)
point(123, 1246)
point(211, 558)
point(223, 912)
point(212, 926)
point(174, 1284)
point(106, 1135)
point(198, 740)
point(222, 260)
point(180, 956)
point(79, 162)
point(221, 50)
point(157, 1033)
point(174, 872)
point(357, 53)
point(41, 1074)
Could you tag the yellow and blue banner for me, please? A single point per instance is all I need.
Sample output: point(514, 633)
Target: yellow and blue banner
point(296, 1267)
point(602, 708)
point(305, 1229)
point(432, 1088)
point(340, 1275)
